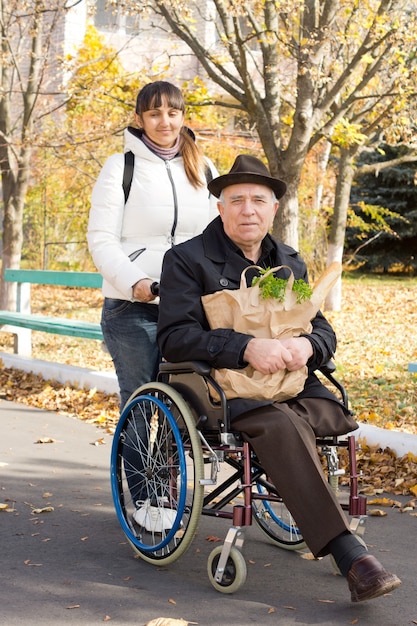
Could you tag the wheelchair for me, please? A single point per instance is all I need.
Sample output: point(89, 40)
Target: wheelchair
point(173, 446)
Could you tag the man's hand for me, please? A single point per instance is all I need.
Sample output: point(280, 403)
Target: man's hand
point(301, 350)
point(270, 355)
point(267, 355)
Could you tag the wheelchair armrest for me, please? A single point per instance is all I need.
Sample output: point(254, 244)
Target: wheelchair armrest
point(185, 367)
point(328, 368)
point(193, 380)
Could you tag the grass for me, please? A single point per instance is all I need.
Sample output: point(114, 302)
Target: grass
point(377, 338)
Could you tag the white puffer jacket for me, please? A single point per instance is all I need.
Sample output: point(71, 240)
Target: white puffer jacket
point(163, 209)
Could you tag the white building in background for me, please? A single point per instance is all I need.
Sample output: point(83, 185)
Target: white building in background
point(139, 44)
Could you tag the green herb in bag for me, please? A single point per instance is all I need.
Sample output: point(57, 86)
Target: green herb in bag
point(273, 287)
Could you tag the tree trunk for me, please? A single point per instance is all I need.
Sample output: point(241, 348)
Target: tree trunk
point(337, 234)
point(322, 163)
point(13, 235)
point(16, 139)
point(285, 227)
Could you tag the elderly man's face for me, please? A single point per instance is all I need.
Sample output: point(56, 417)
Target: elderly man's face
point(247, 211)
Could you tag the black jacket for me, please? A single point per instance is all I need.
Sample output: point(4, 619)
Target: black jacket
point(208, 263)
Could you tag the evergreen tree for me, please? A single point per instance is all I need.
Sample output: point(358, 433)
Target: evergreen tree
point(383, 228)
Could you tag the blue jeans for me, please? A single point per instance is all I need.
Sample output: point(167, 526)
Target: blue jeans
point(129, 330)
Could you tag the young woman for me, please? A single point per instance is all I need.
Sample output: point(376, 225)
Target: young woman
point(168, 203)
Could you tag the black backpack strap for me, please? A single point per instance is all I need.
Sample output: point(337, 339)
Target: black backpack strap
point(208, 173)
point(128, 173)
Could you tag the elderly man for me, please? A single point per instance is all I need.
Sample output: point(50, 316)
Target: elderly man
point(283, 434)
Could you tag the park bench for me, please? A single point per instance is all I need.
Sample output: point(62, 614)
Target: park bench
point(21, 322)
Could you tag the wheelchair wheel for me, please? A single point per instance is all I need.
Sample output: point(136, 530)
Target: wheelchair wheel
point(156, 472)
point(235, 572)
point(274, 519)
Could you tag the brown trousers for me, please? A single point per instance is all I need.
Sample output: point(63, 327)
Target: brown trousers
point(283, 436)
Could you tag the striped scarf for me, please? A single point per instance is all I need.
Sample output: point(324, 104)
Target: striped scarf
point(165, 153)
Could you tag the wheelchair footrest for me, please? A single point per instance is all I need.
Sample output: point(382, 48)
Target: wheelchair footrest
point(357, 525)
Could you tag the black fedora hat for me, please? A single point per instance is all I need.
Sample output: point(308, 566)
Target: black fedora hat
point(247, 169)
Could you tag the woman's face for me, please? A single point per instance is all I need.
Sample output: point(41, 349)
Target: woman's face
point(162, 124)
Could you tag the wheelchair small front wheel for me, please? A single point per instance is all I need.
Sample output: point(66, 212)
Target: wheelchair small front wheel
point(235, 572)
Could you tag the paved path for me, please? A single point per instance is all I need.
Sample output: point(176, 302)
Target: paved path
point(73, 566)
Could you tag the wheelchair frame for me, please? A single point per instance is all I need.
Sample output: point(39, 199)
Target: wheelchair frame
point(168, 432)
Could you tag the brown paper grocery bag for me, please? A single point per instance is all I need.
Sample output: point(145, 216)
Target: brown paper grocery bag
point(246, 311)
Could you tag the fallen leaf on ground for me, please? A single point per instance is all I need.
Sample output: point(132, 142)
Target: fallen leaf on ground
point(385, 502)
point(45, 509)
point(168, 621)
point(382, 470)
point(99, 442)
